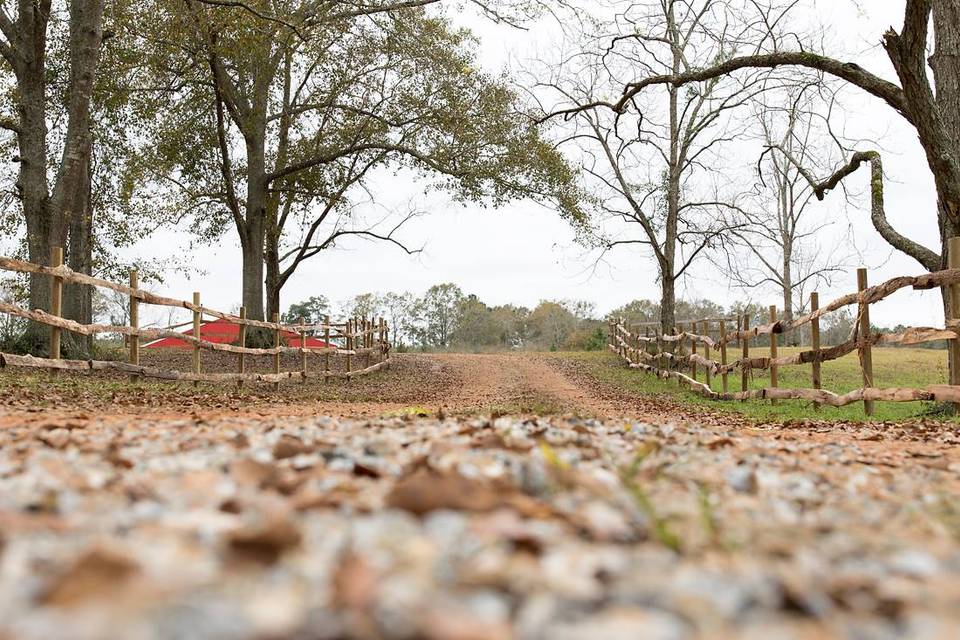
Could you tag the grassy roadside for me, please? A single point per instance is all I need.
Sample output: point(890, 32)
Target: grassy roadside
point(892, 368)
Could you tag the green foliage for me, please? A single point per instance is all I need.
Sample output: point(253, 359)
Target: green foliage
point(552, 324)
point(476, 325)
point(438, 313)
point(591, 337)
point(312, 310)
point(318, 104)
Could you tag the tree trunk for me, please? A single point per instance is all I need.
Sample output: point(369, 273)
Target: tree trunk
point(792, 338)
point(32, 143)
point(78, 298)
point(255, 225)
point(945, 63)
point(273, 285)
point(47, 216)
point(668, 302)
point(253, 268)
point(668, 276)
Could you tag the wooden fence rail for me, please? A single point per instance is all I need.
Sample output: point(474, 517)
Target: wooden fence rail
point(360, 337)
point(663, 355)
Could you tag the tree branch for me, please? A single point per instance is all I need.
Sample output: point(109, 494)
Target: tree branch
point(849, 71)
point(930, 260)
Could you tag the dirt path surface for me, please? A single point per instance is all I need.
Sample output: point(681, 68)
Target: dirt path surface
point(339, 513)
point(459, 384)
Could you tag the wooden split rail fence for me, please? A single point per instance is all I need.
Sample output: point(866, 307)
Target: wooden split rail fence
point(363, 342)
point(646, 347)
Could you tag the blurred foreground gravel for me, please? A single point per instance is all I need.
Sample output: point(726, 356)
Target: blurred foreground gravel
point(245, 526)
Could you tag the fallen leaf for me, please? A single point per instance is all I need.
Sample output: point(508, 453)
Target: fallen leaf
point(97, 574)
point(265, 540)
point(289, 446)
point(425, 490)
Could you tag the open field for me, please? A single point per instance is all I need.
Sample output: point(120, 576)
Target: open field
point(899, 367)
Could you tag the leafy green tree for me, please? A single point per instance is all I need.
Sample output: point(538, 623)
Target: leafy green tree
point(438, 314)
point(513, 325)
point(364, 305)
point(312, 310)
point(476, 326)
point(275, 122)
point(552, 324)
point(637, 311)
point(589, 336)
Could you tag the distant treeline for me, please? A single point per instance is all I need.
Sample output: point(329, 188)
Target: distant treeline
point(446, 318)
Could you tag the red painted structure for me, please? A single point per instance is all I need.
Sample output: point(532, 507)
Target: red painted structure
point(224, 332)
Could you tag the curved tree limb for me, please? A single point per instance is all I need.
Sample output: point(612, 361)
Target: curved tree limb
point(929, 259)
point(849, 71)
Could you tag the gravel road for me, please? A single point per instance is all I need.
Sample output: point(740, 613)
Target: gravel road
point(273, 519)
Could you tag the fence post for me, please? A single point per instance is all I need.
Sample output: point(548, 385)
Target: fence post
point(646, 344)
point(866, 353)
point(815, 345)
point(134, 322)
point(276, 345)
point(56, 304)
point(197, 317)
point(953, 262)
point(658, 334)
point(303, 349)
point(326, 355)
point(348, 341)
point(386, 341)
point(620, 333)
point(723, 353)
point(363, 343)
point(383, 339)
point(241, 365)
point(678, 350)
point(745, 339)
point(367, 340)
point(773, 351)
point(705, 330)
point(693, 350)
point(377, 342)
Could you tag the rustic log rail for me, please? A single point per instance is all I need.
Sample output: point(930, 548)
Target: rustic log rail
point(662, 355)
point(373, 334)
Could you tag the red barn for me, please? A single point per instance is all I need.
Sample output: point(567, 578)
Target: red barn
point(224, 332)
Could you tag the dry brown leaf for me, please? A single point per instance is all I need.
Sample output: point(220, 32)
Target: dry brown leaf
point(266, 540)
point(425, 490)
point(289, 446)
point(251, 473)
point(97, 574)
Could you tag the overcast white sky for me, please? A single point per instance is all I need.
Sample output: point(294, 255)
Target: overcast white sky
point(524, 253)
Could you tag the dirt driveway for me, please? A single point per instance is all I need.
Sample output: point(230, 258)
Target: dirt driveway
point(499, 383)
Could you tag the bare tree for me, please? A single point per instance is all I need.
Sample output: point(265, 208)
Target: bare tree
point(931, 107)
point(647, 168)
point(399, 310)
point(775, 240)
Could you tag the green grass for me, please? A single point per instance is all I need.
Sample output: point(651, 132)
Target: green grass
point(915, 368)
